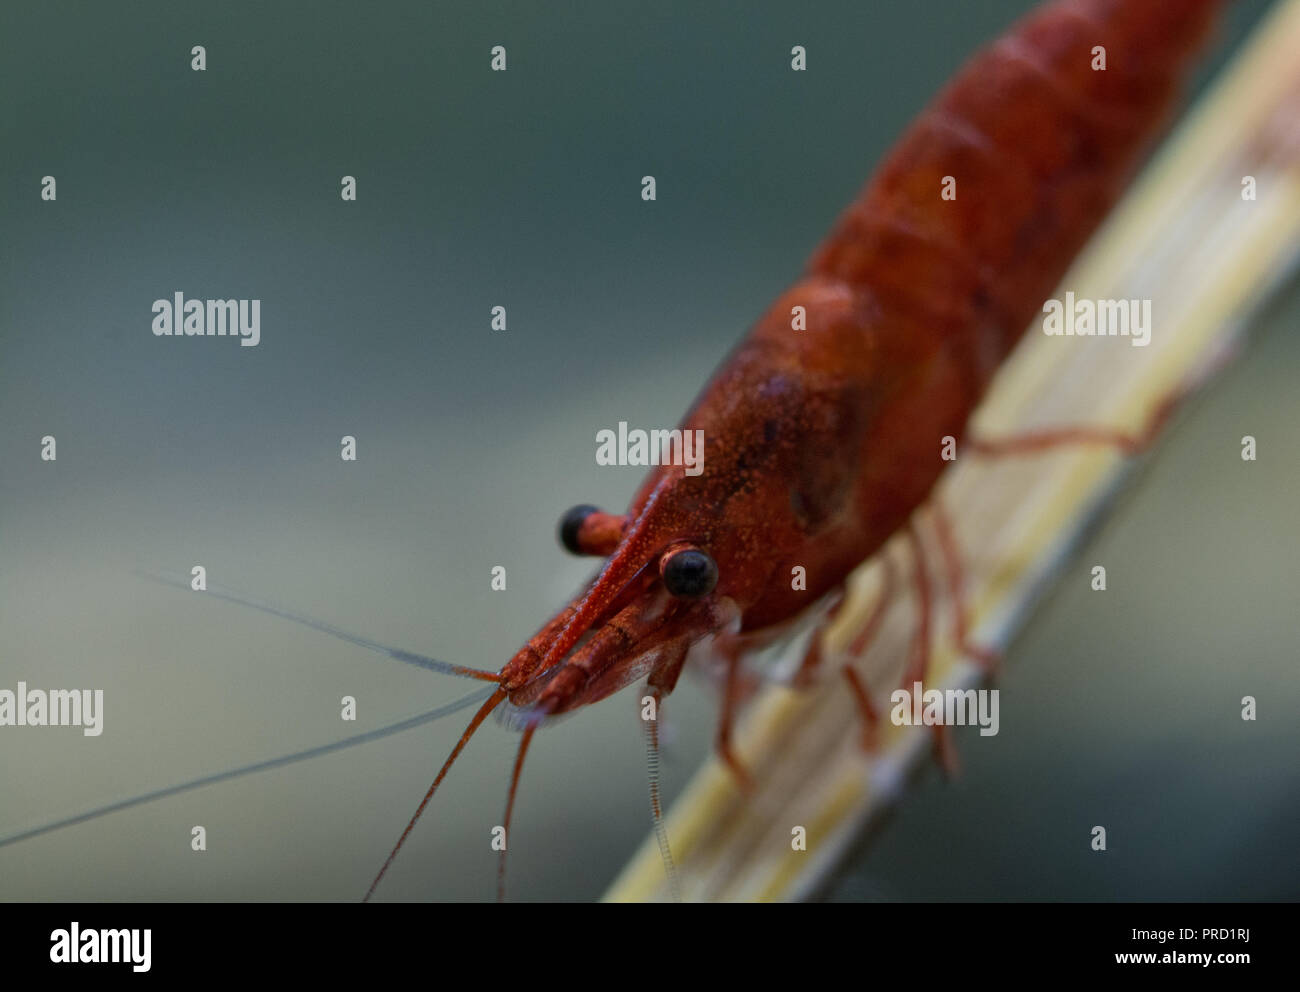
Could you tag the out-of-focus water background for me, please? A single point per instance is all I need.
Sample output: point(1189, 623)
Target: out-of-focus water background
point(522, 189)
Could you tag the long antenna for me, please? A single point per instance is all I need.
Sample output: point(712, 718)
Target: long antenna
point(510, 809)
point(493, 701)
point(409, 657)
point(260, 766)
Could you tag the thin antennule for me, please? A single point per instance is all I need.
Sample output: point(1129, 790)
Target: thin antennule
point(656, 806)
point(493, 701)
point(510, 809)
point(409, 657)
point(260, 766)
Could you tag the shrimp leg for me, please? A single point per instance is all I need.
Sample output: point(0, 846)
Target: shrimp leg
point(919, 662)
point(726, 721)
point(1127, 442)
point(859, 646)
point(812, 659)
point(870, 718)
point(954, 571)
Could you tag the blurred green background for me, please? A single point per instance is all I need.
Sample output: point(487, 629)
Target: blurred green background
point(523, 189)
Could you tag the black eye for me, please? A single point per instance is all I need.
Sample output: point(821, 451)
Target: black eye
point(689, 573)
point(571, 523)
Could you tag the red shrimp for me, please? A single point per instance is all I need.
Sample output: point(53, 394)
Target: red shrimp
point(823, 441)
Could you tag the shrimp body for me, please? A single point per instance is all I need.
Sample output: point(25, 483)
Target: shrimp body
point(823, 436)
point(823, 429)
point(821, 442)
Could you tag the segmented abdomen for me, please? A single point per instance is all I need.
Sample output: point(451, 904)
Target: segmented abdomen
point(1039, 141)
